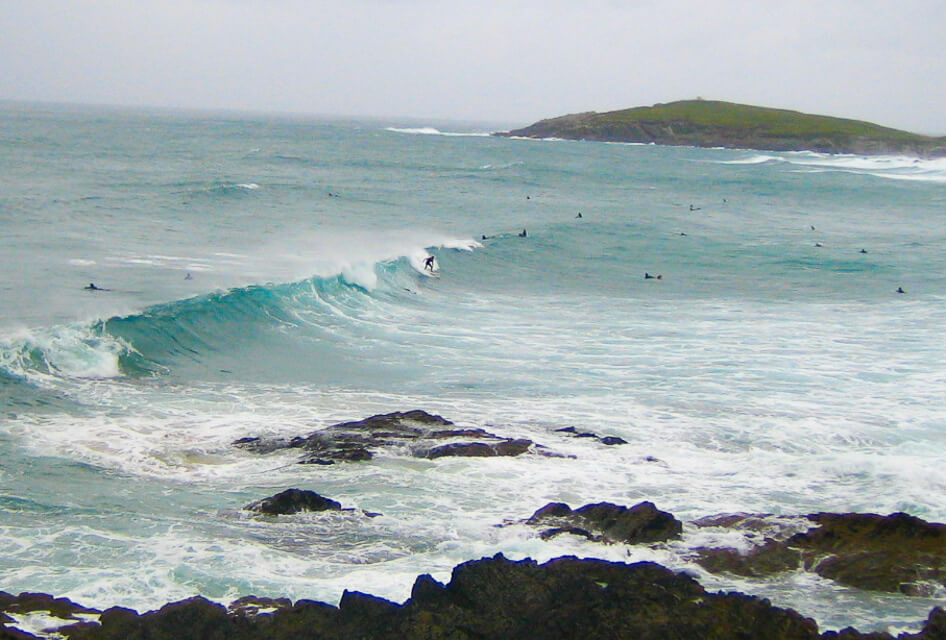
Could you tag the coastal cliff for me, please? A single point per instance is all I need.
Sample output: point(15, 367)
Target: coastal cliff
point(711, 123)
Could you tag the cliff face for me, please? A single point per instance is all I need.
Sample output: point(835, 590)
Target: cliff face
point(707, 123)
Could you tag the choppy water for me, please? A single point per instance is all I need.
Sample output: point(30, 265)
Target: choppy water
point(772, 368)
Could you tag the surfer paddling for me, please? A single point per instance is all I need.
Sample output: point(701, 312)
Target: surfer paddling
point(92, 287)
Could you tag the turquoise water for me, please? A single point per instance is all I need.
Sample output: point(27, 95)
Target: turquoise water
point(264, 276)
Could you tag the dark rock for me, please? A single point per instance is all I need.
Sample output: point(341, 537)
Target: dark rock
point(293, 501)
point(426, 589)
point(769, 558)
point(59, 607)
point(571, 598)
point(466, 449)
point(251, 606)
point(641, 523)
point(497, 599)
point(192, 619)
point(413, 431)
point(551, 510)
point(480, 449)
point(608, 440)
point(894, 553)
point(547, 534)
point(461, 433)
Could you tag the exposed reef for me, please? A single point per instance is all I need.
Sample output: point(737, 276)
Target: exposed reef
point(895, 553)
point(606, 522)
point(417, 433)
point(491, 598)
point(712, 123)
point(563, 598)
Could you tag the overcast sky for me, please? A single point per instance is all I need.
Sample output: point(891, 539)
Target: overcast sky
point(505, 61)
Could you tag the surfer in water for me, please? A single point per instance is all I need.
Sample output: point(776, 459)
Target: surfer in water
point(647, 276)
point(92, 287)
point(523, 234)
point(429, 263)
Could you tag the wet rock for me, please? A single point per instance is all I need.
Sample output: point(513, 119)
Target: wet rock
point(572, 598)
point(416, 433)
point(293, 501)
point(28, 602)
point(495, 599)
point(480, 449)
point(898, 553)
point(642, 523)
point(252, 606)
point(770, 558)
point(895, 553)
point(608, 440)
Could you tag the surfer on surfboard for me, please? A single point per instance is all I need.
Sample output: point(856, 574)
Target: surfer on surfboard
point(429, 263)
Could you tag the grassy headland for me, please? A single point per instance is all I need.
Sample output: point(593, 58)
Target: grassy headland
point(711, 123)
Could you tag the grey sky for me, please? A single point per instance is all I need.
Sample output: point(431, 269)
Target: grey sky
point(512, 62)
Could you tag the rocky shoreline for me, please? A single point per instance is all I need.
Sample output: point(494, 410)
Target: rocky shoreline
point(566, 597)
point(490, 598)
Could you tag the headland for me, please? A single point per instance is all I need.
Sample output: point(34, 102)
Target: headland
point(713, 123)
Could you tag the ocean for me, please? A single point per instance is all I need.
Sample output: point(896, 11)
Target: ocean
point(262, 275)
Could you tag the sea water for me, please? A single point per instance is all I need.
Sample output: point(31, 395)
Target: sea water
point(263, 276)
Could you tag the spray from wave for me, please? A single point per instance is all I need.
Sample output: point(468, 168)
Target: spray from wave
point(431, 131)
point(887, 167)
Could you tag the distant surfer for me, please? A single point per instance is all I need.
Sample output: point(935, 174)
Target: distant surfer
point(579, 215)
point(523, 234)
point(812, 227)
point(692, 208)
point(92, 287)
point(900, 290)
point(818, 244)
point(429, 263)
point(647, 276)
point(863, 251)
point(188, 276)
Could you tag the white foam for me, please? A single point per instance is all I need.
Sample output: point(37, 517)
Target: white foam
point(431, 131)
point(72, 351)
point(887, 167)
point(81, 262)
point(756, 159)
point(361, 274)
point(43, 624)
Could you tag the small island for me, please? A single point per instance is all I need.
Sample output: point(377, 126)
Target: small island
point(712, 123)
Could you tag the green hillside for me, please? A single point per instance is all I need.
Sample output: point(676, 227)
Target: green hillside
point(711, 123)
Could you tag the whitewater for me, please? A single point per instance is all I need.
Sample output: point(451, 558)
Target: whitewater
point(263, 276)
